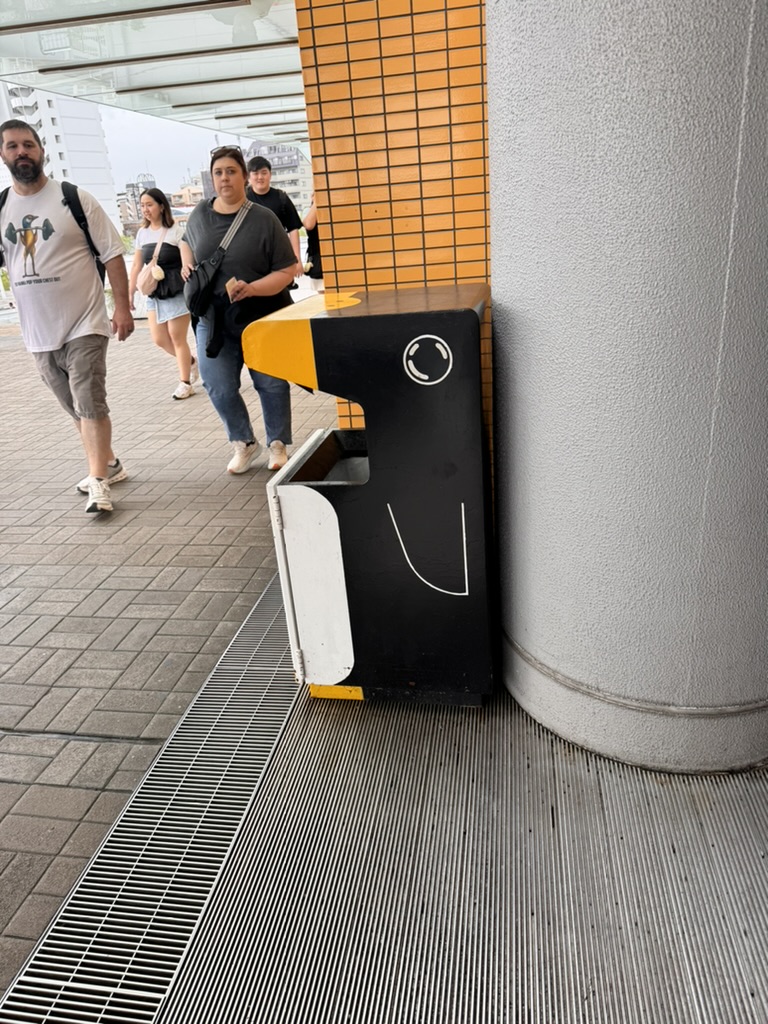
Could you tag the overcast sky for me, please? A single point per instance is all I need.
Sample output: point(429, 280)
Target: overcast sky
point(140, 143)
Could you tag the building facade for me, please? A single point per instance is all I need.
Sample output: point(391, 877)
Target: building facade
point(73, 138)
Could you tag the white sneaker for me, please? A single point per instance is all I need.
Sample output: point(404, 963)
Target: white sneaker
point(183, 390)
point(98, 496)
point(243, 457)
point(194, 372)
point(277, 455)
point(115, 474)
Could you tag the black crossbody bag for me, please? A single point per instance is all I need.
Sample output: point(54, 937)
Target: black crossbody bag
point(200, 285)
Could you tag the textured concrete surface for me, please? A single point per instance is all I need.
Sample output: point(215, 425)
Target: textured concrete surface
point(109, 625)
point(630, 373)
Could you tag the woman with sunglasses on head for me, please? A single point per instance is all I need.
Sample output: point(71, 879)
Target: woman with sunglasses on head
point(257, 269)
point(166, 310)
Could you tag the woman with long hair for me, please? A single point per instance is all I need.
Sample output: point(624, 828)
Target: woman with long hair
point(255, 273)
point(166, 310)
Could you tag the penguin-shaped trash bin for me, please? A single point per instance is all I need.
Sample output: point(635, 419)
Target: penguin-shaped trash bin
point(383, 535)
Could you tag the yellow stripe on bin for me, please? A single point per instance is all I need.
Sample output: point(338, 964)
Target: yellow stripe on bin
point(281, 347)
point(336, 692)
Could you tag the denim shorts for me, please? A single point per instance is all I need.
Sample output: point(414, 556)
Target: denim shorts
point(167, 309)
point(77, 375)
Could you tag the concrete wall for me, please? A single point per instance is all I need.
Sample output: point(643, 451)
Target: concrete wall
point(629, 228)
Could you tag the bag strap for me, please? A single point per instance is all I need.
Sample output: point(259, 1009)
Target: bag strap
point(72, 200)
point(160, 241)
point(218, 255)
point(234, 226)
point(3, 197)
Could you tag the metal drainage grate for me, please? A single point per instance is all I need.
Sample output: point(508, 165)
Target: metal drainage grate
point(414, 864)
point(113, 949)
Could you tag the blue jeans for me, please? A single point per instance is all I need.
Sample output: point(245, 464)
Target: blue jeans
point(221, 379)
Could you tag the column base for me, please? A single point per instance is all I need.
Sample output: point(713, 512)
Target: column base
point(654, 736)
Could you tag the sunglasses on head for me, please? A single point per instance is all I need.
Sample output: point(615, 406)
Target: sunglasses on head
point(225, 151)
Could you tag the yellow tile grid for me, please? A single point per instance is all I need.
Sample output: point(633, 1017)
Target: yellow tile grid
point(375, 176)
point(398, 133)
point(463, 58)
point(330, 14)
point(465, 17)
point(330, 35)
point(394, 8)
point(395, 26)
point(359, 11)
point(329, 55)
point(396, 45)
point(429, 60)
point(362, 30)
point(365, 49)
point(430, 41)
point(366, 106)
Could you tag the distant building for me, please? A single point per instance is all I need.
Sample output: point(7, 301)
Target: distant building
point(129, 202)
point(132, 193)
point(291, 171)
point(207, 182)
point(181, 214)
point(189, 194)
point(133, 190)
point(73, 138)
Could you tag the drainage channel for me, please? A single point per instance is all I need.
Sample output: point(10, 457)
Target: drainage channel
point(112, 951)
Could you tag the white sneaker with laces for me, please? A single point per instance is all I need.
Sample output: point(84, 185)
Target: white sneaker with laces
point(98, 496)
point(244, 455)
point(115, 474)
point(183, 391)
point(278, 456)
point(194, 372)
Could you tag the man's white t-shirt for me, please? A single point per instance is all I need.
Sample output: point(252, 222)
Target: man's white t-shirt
point(53, 275)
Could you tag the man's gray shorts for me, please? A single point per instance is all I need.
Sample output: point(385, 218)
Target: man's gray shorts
point(77, 374)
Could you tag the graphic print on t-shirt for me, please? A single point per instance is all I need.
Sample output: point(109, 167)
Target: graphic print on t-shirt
point(27, 236)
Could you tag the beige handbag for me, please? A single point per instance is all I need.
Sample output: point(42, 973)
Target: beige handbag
point(150, 273)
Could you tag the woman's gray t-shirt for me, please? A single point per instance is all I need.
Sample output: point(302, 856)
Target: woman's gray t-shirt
point(259, 247)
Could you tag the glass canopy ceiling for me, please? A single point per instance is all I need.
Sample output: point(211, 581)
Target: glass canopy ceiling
point(229, 65)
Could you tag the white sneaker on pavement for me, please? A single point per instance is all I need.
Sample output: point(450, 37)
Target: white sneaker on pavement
point(194, 372)
point(278, 456)
point(244, 455)
point(183, 390)
point(98, 496)
point(115, 474)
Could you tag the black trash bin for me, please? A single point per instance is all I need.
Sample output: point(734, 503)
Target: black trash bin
point(384, 534)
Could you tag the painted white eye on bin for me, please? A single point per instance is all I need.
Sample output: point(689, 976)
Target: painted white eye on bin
point(427, 359)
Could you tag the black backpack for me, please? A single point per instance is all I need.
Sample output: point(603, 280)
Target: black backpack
point(72, 200)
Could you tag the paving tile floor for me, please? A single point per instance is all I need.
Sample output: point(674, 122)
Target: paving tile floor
point(109, 625)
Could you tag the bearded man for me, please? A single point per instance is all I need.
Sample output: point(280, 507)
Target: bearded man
point(59, 295)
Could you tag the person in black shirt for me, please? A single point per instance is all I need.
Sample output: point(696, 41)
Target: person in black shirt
point(314, 265)
point(260, 191)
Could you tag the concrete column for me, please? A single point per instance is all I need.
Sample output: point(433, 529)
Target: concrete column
point(629, 249)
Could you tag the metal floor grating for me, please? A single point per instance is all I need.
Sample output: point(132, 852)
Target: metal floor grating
point(417, 865)
point(113, 949)
point(297, 861)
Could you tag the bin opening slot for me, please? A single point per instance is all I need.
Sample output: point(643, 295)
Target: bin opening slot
point(341, 457)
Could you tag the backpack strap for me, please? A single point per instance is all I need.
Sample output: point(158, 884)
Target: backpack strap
point(3, 197)
point(72, 200)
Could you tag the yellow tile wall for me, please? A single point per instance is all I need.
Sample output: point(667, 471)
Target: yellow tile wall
point(398, 127)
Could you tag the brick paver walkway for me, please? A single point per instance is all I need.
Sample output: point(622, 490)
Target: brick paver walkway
point(109, 625)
